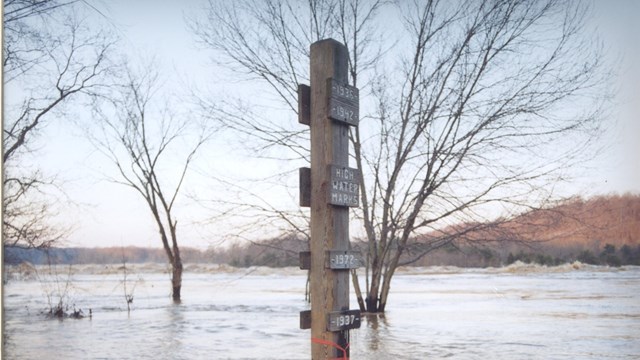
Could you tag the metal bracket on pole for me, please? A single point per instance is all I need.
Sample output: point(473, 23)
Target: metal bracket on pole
point(304, 104)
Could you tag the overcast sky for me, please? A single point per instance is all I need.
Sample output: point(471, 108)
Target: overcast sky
point(107, 214)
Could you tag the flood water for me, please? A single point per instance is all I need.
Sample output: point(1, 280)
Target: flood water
point(518, 312)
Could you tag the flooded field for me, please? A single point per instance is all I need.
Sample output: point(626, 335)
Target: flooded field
point(518, 312)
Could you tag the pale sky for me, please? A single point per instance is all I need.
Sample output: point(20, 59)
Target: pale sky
point(108, 214)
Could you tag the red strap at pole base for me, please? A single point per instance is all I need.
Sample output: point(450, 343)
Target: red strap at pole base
point(331, 343)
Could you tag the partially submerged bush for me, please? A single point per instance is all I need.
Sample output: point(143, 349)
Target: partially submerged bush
point(60, 311)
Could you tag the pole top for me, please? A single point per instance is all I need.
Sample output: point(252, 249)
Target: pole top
point(330, 59)
point(327, 40)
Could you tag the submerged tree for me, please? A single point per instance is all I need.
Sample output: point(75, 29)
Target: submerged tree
point(476, 108)
point(50, 58)
point(152, 149)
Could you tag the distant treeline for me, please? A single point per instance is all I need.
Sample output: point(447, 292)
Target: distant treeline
point(108, 255)
point(603, 231)
point(610, 256)
point(284, 252)
point(278, 252)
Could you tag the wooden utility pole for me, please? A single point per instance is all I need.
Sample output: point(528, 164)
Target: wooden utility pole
point(330, 109)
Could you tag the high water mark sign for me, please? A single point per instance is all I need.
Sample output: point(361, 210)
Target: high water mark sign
point(344, 186)
point(343, 320)
point(343, 102)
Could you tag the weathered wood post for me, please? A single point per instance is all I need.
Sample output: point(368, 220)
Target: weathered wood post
point(332, 107)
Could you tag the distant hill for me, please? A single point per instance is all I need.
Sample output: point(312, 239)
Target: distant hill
point(592, 223)
point(577, 229)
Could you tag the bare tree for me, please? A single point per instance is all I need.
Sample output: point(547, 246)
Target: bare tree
point(27, 210)
point(50, 58)
point(143, 141)
point(478, 109)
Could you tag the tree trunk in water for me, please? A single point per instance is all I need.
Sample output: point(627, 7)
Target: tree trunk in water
point(176, 278)
point(356, 287)
point(372, 300)
point(384, 292)
point(377, 298)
